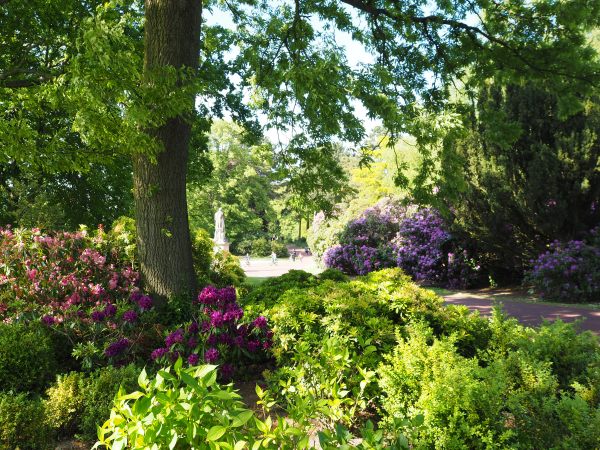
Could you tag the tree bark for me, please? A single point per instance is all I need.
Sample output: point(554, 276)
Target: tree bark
point(172, 38)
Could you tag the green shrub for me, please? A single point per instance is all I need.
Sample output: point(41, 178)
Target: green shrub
point(202, 250)
point(187, 408)
point(333, 275)
point(194, 411)
point(123, 235)
point(226, 270)
point(509, 396)
point(98, 391)
point(267, 294)
point(27, 358)
point(280, 249)
point(22, 423)
point(64, 404)
point(76, 403)
point(261, 247)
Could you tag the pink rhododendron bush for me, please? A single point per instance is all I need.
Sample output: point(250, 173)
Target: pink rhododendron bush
point(82, 284)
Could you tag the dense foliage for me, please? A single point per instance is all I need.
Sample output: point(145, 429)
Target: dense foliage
point(523, 175)
point(380, 348)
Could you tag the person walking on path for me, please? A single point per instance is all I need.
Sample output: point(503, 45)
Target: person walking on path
point(273, 258)
point(247, 259)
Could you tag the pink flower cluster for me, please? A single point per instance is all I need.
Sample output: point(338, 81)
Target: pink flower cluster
point(62, 273)
point(83, 284)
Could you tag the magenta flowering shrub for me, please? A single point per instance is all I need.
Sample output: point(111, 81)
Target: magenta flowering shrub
point(217, 335)
point(81, 284)
point(61, 273)
point(568, 272)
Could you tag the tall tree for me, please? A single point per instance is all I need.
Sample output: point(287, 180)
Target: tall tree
point(240, 183)
point(171, 40)
point(530, 175)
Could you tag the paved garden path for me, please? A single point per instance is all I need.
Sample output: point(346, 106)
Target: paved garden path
point(526, 311)
point(264, 267)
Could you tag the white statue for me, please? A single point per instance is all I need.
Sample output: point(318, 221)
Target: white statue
point(219, 227)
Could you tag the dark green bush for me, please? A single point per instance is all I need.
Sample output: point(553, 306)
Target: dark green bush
point(333, 275)
point(22, 423)
point(98, 391)
point(27, 358)
point(266, 295)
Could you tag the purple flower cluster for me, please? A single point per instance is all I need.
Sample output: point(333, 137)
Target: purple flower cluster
point(359, 260)
point(420, 243)
point(568, 272)
point(374, 227)
point(365, 243)
point(217, 334)
point(116, 348)
point(143, 301)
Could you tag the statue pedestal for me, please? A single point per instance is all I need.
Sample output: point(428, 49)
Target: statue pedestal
point(220, 246)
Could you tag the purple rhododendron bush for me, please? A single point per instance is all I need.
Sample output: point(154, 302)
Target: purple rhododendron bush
point(416, 240)
point(568, 271)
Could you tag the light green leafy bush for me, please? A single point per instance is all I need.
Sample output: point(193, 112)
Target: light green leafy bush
point(22, 423)
point(333, 275)
point(225, 270)
point(64, 404)
point(27, 358)
point(187, 408)
point(514, 394)
point(77, 403)
point(268, 293)
point(202, 251)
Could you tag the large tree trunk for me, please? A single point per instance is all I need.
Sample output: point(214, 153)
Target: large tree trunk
point(172, 38)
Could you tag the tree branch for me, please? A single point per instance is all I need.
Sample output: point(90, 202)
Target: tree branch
point(472, 31)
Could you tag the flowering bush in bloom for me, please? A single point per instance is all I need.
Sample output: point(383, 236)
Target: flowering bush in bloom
point(418, 243)
point(373, 228)
point(359, 260)
point(421, 242)
point(81, 284)
point(365, 244)
point(427, 251)
point(217, 334)
point(568, 272)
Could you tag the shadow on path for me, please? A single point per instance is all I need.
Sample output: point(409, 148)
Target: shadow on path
point(527, 313)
